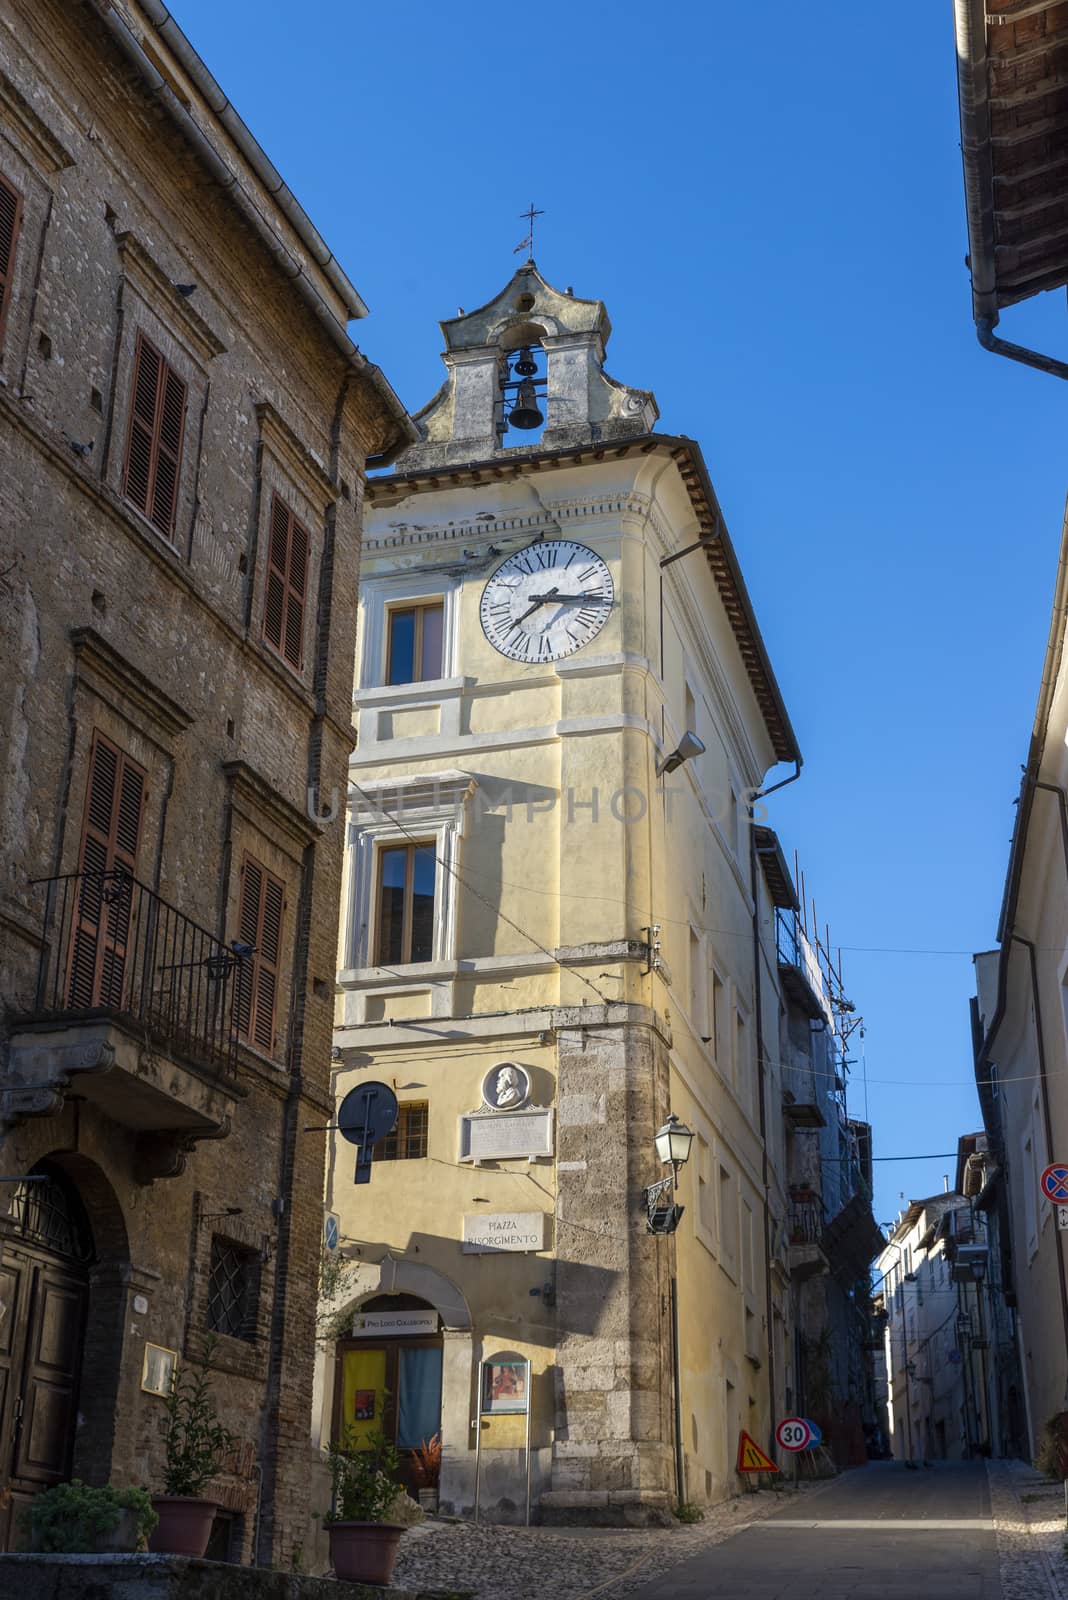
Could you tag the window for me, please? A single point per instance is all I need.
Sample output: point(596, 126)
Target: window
point(154, 441)
point(408, 1140)
point(111, 831)
point(728, 1221)
point(233, 1289)
point(260, 929)
point(414, 648)
point(405, 923)
point(287, 582)
point(10, 217)
point(698, 1015)
point(719, 1024)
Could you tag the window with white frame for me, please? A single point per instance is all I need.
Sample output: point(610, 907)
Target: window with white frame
point(409, 626)
point(402, 863)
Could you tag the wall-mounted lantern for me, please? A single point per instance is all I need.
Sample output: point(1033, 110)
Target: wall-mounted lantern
point(673, 1142)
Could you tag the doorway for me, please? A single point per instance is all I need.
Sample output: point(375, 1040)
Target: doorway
point(46, 1249)
point(391, 1383)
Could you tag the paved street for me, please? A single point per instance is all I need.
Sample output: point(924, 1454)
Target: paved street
point(873, 1535)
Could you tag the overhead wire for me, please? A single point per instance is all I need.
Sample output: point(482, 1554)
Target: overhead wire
point(489, 904)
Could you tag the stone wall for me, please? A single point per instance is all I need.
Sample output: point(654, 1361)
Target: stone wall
point(158, 642)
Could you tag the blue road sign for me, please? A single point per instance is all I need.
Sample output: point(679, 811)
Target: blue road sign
point(1055, 1183)
point(330, 1233)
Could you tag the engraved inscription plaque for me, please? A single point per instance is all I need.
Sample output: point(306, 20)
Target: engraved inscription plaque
point(498, 1135)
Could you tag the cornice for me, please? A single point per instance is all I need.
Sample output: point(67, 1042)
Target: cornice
point(264, 801)
point(719, 551)
point(96, 656)
point(49, 150)
point(279, 437)
point(141, 269)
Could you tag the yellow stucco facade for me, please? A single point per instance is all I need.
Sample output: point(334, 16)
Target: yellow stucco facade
point(603, 930)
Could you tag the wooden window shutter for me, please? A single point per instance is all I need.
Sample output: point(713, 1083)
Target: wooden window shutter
point(154, 442)
point(274, 609)
point(287, 581)
point(111, 833)
point(260, 926)
point(10, 218)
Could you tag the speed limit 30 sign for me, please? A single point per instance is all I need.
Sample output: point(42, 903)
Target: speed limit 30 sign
point(794, 1433)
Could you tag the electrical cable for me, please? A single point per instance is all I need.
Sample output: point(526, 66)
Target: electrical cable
point(447, 865)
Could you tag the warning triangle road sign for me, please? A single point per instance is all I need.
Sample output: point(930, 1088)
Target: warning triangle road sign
point(750, 1456)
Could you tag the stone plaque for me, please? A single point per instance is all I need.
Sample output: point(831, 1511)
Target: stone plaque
point(504, 1231)
point(496, 1135)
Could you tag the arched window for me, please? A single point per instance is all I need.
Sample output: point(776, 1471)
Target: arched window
point(47, 1211)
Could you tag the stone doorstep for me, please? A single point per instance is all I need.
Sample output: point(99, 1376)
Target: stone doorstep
point(162, 1577)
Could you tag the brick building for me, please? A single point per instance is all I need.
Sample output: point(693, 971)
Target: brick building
point(185, 427)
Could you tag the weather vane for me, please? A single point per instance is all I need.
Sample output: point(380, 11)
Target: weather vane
point(527, 244)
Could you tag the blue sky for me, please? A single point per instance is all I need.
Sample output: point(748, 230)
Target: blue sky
point(772, 210)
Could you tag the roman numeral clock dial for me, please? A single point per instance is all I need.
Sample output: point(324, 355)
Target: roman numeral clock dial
point(547, 601)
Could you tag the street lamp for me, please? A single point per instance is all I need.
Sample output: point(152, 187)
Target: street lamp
point(673, 1142)
point(688, 747)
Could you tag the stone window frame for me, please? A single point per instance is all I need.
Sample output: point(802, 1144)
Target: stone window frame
point(373, 695)
point(245, 1357)
point(31, 155)
point(264, 826)
point(431, 807)
point(152, 310)
point(289, 473)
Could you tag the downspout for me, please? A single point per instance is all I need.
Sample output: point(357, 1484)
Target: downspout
point(758, 958)
point(970, 24)
point(984, 332)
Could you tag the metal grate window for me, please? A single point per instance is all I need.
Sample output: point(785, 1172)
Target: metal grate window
point(233, 1289)
point(408, 1140)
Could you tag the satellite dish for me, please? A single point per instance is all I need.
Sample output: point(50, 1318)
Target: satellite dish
point(365, 1116)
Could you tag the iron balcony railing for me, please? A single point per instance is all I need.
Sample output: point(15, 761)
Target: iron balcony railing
point(112, 947)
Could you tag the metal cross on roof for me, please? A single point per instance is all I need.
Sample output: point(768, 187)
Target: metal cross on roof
point(527, 244)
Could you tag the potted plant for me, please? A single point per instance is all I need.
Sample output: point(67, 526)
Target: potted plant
point(195, 1443)
point(76, 1519)
point(364, 1484)
point(427, 1465)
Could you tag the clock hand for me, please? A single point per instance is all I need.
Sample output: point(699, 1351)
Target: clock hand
point(536, 601)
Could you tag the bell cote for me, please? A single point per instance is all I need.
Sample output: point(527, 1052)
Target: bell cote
point(526, 371)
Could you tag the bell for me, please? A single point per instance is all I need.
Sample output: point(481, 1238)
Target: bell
point(525, 413)
point(526, 366)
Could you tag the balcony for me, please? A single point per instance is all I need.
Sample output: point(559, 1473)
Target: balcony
point(137, 1009)
point(805, 1233)
point(799, 971)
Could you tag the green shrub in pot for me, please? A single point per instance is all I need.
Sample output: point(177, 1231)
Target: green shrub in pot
point(77, 1519)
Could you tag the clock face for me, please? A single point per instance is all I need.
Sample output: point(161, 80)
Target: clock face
point(546, 601)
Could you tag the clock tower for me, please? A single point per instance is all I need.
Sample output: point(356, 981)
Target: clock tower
point(552, 937)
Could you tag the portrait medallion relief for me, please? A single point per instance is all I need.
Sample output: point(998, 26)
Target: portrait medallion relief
point(506, 1087)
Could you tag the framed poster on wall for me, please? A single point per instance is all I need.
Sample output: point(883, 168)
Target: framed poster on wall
point(505, 1386)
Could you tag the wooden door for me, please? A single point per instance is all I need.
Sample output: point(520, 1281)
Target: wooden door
point(43, 1305)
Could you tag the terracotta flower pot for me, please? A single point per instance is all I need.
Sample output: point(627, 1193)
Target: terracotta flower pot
point(364, 1552)
point(184, 1525)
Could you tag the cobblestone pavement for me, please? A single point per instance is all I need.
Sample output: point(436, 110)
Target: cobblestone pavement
point(947, 1532)
point(1029, 1511)
point(498, 1563)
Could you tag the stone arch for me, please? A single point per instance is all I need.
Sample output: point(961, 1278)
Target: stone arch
point(106, 1326)
point(396, 1276)
point(100, 1200)
point(513, 332)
